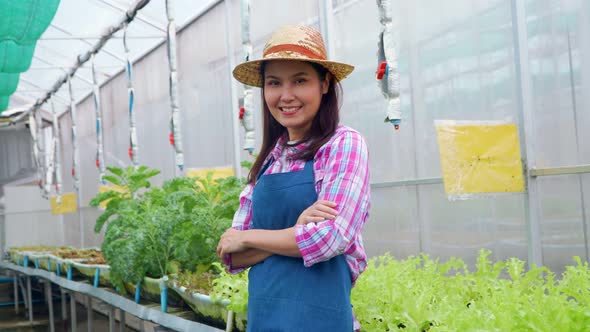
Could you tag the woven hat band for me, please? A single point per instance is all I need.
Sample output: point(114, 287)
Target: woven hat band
point(293, 48)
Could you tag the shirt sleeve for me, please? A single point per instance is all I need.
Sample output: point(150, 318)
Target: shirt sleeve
point(345, 182)
point(242, 220)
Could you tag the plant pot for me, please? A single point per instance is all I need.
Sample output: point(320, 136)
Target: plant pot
point(13, 255)
point(38, 259)
point(44, 262)
point(151, 291)
point(18, 257)
point(209, 311)
point(33, 258)
point(89, 271)
point(58, 262)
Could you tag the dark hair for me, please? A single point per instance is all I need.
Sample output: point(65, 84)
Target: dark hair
point(322, 128)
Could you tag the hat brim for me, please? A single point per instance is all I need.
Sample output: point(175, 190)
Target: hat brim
point(249, 72)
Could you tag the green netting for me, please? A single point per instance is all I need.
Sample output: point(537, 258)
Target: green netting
point(8, 83)
point(3, 103)
point(15, 58)
point(24, 21)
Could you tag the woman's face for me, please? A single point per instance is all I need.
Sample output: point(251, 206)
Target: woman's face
point(293, 92)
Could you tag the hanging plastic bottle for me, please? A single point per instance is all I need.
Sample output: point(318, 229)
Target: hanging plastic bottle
point(34, 129)
point(387, 68)
point(176, 133)
point(99, 135)
point(57, 153)
point(133, 148)
point(75, 144)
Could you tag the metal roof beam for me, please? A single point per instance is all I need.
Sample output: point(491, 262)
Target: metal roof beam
point(76, 37)
point(54, 94)
point(45, 90)
point(145, 20)
point(63, 68)
point(116, 56)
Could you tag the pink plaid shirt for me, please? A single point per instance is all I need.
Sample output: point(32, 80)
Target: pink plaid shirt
point(342, 176)
point(341, 169)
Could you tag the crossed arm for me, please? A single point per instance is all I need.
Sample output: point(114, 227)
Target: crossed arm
point(249, 247)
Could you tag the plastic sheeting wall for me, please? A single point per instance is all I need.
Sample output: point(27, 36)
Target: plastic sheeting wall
point(16, 161)
point(559, 60)
point(447, 71)
point(16, 156)
point(457, 62)
point(29, 220)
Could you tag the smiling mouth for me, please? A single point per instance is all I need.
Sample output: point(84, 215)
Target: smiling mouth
point(289, 110)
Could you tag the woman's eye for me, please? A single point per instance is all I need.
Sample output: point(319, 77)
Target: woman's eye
point(300, 81)
point(272, 83)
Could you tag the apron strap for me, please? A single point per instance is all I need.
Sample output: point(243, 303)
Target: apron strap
point(309, 164)
point(264, 168)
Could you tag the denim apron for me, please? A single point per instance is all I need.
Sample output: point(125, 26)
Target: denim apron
point(284, 295)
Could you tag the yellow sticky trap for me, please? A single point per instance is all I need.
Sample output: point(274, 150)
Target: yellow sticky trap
point(68, 204)
point(218, 172)
point(116, 188)
point(478, 158)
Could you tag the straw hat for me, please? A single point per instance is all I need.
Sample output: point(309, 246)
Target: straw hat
point(292, 43)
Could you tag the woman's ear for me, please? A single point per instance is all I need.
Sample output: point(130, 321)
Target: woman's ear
point(326, 83)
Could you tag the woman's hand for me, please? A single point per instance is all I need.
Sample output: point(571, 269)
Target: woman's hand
point(319, 211)
point(231, 241)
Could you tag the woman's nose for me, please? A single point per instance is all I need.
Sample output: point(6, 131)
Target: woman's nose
point(287, 94)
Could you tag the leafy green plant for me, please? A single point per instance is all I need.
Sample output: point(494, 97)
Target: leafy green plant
point(233, 287)
point(140, 242)
point(247, 164)
point(152, 230)
point(215, 203)
point(575, 283)
point(165, 210)
point(123, 248)
point(130, 180)
point(199, 281)
point(123, 242)
point(421, 294)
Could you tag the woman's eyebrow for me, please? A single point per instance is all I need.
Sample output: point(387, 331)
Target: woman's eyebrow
point(292, 76)
point(299, 74)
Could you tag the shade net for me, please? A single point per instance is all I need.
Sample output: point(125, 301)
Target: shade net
point(22, 24)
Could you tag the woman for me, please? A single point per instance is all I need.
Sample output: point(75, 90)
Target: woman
point(300, 217)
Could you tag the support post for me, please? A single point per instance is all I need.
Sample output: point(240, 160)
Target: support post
point(122, 323)
point(30, 299)
point(64, 306)
point(73, 311)
point(15, 284)
point(230, 321)
point(525, 130)
point(89, 313)
point(112, 319)
point(49, 298)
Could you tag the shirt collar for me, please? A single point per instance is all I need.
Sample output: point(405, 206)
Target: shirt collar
point(281, 145)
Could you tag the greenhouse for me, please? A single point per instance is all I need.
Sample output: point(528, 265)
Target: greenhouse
point(282, 165)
